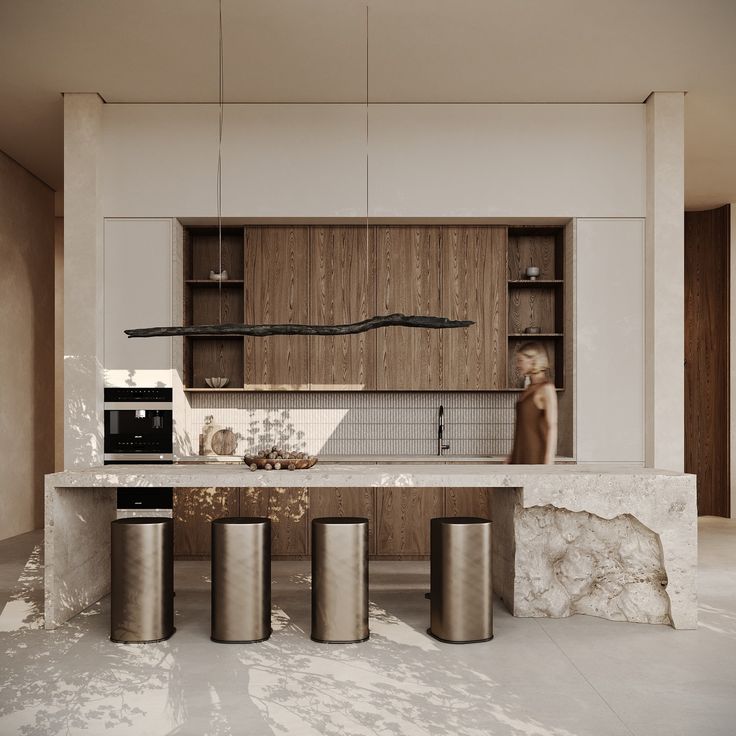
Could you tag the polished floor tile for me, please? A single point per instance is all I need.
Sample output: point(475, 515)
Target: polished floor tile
point(539, 677)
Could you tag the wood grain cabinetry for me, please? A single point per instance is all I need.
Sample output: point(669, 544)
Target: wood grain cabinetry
point(399, 518)
point(288, 509)
point(341, 290)
point(402, 519)
point(473, 267)
point(334, 274)
point(468, 502)
point(408, 281)
point(537, 303)
point(212, 302)
point(194, 509)
point(276, 291)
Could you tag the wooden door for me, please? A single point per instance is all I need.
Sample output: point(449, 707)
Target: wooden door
point(402, 520)
point(474, 287)
point(344, 502)
point(288, 509)
point(408, 281)
point(341, 289)
point(276, 292)
point(707, 264)
point(194, 509)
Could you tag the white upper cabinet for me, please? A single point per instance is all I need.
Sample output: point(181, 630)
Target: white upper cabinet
point(138, 273)
point(610, 340)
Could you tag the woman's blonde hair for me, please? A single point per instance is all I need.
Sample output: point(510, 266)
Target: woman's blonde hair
point(536, 352)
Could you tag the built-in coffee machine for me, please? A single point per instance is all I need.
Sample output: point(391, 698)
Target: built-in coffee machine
point(138, 426)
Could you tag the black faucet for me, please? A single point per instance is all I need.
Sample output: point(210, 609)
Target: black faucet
point(440, 431)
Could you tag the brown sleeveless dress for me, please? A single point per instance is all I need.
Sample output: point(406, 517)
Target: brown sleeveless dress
point(530, 432)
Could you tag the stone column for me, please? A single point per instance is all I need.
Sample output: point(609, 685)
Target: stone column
point(665, 282)
point(83, 280)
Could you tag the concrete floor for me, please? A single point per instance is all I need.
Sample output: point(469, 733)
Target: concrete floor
point(538, 677)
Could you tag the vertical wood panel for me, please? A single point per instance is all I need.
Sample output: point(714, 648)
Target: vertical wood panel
point(468, 502)
point(707, 266)
point(533, 249)
point(277, 291)
point(344, 502)
point(342, 280)
point(532, 307)
point(402, 519)
point(194, 509)
point(288, 509)
point(474, 287)
point(408, 281)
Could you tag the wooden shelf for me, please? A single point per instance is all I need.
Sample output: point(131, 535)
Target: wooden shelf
point(523, 283)
point(532, 335)
point(210, 282)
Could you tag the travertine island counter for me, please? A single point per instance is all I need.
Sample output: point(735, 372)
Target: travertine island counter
point(610, 541)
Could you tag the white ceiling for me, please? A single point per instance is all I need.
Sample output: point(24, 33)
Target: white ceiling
point(420, 51)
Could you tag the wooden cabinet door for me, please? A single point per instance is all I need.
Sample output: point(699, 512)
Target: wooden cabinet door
point(277, 292)
point(341, 290)
point(468, 502)
point(344, 502)
point(288, 509)
point(408, 281)
point(194, 509)
point(403, 517)
point(474, 287)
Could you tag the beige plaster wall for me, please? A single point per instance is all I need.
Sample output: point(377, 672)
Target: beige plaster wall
point(26, 346)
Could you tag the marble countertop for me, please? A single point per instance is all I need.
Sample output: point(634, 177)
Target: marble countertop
point(481, 474)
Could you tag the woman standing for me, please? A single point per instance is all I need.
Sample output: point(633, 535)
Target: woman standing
point(535, 433)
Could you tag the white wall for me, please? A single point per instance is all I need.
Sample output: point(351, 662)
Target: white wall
point(610, 340)
point(425, 160)
point(26, 346)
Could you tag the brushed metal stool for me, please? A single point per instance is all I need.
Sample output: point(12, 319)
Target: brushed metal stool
point(340, 580)
point(241, 580)
point(142, 580)
point(461, 593)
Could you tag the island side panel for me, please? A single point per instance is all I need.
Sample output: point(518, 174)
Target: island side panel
point(665, 504)
point(77, 550)
point(503, 502)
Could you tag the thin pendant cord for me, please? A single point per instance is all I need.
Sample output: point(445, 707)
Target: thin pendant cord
point(219, 165)
point(367, 171)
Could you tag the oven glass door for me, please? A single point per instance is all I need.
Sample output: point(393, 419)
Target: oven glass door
point(138, 430)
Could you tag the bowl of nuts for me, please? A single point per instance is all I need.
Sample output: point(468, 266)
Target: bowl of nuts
point(278, 459)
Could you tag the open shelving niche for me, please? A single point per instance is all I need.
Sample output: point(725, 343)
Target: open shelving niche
point(536, 303)
point(205, 357)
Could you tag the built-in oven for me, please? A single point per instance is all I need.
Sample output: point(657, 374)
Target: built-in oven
point(138, 425)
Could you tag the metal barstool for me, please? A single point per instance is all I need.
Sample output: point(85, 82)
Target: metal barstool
point(340, 580)
point(241, 580)
point(461, 592)
point(142, 580)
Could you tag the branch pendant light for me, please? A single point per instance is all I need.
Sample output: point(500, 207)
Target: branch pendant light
point(387, 320)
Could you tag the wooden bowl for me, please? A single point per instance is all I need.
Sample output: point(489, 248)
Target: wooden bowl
point(300, 464)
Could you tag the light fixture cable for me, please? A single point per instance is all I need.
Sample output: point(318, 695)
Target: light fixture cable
point(219, 163)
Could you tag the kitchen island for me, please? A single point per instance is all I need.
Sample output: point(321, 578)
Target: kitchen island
point(610, 541)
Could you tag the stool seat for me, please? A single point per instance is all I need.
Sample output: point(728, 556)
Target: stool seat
point(461, 587)
point(241, 580)
point(340, 579)
point(142, 580)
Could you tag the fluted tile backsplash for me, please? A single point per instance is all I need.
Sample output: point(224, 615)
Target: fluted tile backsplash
point(376, 423)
